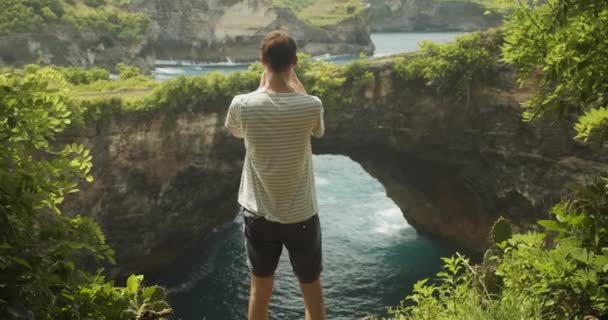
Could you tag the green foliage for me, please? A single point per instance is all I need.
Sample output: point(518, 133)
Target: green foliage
point(41, 250)
point(322, 79)
point(336, 86)
point(101, 299)
point(214, 89)
point(96, 81)
point(583, 215)
point(127, 27)
point(452, 68)
point(322, 12)
point(359, 73)
point(593, 125)
point(86, 15)
point(454, 297)
point(295, 5)
point(492, 6)
point(18, 17)
point(126, 71)
point(561, 273)
point(99, 87)
point(79, 76)
point(572, 279)
point(501, 231)
point(563, 43)
point(73, 75)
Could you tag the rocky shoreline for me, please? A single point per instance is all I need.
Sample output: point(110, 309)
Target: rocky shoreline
point(186, 30)
point(431, 15)
point(203, 31)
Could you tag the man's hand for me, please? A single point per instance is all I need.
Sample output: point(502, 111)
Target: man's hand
point(295, 83)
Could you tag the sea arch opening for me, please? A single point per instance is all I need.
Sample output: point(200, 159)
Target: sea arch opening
point(372, 256)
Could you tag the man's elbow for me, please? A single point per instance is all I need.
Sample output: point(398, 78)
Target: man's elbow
point(318, 133)
point(236, 133)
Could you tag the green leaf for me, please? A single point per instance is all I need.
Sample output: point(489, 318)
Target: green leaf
point(70, 297)
point(133, 282)
point(551, 225)
point(20, 262)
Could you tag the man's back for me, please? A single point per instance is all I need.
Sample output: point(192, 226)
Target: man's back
point(277, 180)
point(277, 192)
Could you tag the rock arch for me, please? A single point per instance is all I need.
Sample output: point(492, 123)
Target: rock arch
point(451, 166)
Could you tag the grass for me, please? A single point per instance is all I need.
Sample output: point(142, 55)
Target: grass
point(499, 6)
point(295, 5)
point(125, 94)
point(323, 12)
point(139, 82)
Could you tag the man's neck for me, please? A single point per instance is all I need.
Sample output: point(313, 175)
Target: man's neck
point(277, 82)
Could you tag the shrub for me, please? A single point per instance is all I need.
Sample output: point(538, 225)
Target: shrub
point(560, 273)
point(358, 74)
point(97, 15)
point(563, 44)
point(78, 76)
point(126, 71)
point(451, 68)
point(124, 26)
point(41, 249)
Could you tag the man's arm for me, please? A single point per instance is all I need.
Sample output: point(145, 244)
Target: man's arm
point(263, 81)
point(295, 83)
point(318, 130)
point(233, 118)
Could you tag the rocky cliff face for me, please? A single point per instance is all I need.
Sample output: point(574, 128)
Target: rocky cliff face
point(186, 30)
point(453, 167)
point(165, 179)
point(430, 15)
point(162, 181)
point(212, 30)
point(62, 44)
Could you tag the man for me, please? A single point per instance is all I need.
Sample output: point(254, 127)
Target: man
point(277, 191)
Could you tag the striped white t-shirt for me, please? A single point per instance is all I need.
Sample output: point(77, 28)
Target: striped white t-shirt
point(277, 181)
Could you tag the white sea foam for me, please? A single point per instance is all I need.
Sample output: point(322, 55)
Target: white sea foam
point(178, 63)
point(194, 278)
point(167, 70)
point(390, 221)
point(320, 181)
point(379, 54)
point(390, 213)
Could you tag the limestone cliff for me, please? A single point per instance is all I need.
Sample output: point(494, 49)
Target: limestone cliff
point(213, 30)
point(166, 178)
point(430, 15)
point(190, 30)
point(62, 44)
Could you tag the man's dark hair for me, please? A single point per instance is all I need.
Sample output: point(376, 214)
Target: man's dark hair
point(278, 50)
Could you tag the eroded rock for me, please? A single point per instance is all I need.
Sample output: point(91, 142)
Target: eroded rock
point(164, 179)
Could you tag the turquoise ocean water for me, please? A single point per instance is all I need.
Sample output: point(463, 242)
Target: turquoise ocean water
point(386, 44)
point(372, 257)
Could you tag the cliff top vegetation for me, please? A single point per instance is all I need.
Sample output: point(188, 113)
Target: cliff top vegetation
point(323, 12)
point(500, 6)
point(105, 16)
point(450, 69)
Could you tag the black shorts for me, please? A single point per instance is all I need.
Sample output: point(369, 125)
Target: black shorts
point(265, 239)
